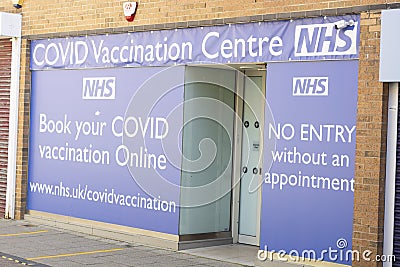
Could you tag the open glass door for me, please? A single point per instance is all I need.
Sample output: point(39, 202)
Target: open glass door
point(207, 153)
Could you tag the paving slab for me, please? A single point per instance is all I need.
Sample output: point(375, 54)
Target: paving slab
point(26, 244)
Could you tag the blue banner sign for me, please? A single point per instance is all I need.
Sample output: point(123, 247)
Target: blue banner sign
point(303, 39)
point(308, 186)
point(97, 142)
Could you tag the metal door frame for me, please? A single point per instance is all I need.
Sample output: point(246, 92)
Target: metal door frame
point(237, 156)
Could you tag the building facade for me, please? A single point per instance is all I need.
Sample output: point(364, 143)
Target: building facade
point(206, 123)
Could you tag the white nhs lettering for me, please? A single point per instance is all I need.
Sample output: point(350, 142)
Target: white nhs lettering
point(98, 88)
point(310, 86)
point(325, 40)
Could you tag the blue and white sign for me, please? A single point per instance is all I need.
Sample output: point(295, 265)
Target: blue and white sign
point(96, 145)
point(308, 190)
point(303, 39)
point(105, 140)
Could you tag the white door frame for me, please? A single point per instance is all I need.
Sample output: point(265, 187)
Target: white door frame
point(237, 157)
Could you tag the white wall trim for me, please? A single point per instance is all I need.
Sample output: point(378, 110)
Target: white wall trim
point(390, 171)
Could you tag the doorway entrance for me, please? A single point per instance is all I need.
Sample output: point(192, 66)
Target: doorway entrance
point(222, 151)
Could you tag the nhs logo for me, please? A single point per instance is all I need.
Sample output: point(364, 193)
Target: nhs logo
point(98, 88)
point(310, 86)
point(325, 40)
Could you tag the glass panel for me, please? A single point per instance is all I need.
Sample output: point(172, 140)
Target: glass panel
point(207, 150)
point(251, 147)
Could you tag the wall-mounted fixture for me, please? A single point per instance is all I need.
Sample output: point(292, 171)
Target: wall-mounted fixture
point(130, 10)
point(17, 3)
point(341, 24)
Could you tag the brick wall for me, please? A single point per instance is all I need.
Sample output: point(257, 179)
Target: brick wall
point(23, 132)
point(45, 18)
point(370, 144)
point(6, 6)
point(48, 16)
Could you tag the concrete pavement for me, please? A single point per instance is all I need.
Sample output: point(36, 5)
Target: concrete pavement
point(25, 244)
